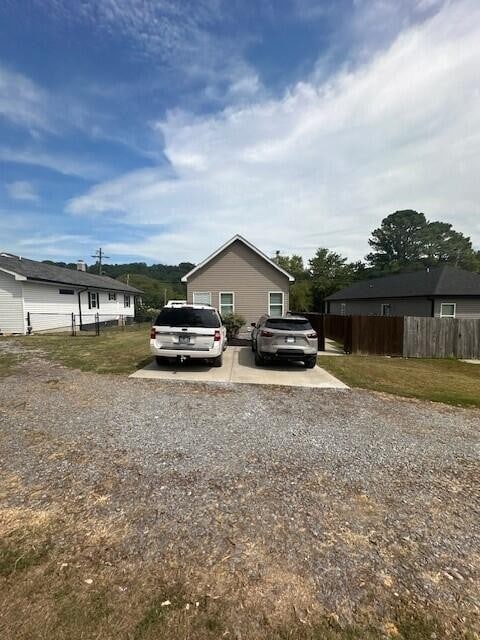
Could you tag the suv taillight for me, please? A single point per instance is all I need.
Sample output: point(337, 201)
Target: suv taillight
point(153, 333)
point(312, 335)
point(216, 336)
point(266, 334)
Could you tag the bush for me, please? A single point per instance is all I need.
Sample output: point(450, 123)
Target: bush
point(145, 314)
point(233, 323)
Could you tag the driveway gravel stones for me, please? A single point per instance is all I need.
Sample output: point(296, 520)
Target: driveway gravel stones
point(344, 503)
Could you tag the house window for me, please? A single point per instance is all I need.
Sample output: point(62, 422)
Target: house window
point(343, 308)
point(275, 303)
point(226, 302)
point(386, 310)
point(448, 310)
point(202, 297)
point(112, 296)
point(66, 292)
point(126, 301)
point(93, 300)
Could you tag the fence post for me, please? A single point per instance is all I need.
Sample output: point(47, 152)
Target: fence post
point(97, 324)
point(321, 333)
point(74, 333)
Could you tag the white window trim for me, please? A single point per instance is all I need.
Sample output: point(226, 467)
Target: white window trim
point(203, 293)
point(343, 308)
point(276, 305)
point(442, 315)
point(220, 293)
point(382, 307)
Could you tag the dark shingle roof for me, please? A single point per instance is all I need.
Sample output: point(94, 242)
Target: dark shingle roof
point(437, 281)
point(40, 271)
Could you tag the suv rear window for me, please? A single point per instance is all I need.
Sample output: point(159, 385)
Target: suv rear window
point(188, 317)
point(286, 324)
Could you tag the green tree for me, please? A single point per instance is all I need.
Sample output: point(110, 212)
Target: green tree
point(445, 245)
point(399, 241)
point(294, 265)
point(155, 291)
point(301, 296)
point(329, 272)
point(407, 240)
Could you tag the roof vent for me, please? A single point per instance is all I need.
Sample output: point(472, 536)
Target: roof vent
point(81, 266)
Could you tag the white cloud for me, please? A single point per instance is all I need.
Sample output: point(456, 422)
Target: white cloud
point(67, 165)
point(182, 37)
point(324, 164)
point(23, 102)
point(22, 190)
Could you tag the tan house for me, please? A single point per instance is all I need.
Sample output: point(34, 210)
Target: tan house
point(239, 278)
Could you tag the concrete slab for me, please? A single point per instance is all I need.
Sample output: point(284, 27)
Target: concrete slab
point(471, 361)
point(239, 367)
point(190, 370)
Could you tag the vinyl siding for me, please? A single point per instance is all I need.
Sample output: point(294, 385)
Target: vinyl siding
point(420, 307)
point(399, 307)
point(240, 270)
point(468, 308)
point(50, 309)
point(11, 305)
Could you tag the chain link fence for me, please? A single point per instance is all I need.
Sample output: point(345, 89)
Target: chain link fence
point(76, 324)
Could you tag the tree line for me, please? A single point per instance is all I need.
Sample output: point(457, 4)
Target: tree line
point(405, 241)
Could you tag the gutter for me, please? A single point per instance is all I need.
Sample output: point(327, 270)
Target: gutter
point(80, 304)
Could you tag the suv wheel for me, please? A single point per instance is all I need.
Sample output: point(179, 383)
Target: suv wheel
point(310, 362)
point(259, 361)
point(218, 361)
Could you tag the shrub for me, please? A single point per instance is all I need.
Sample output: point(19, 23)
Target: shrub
point(233, 323)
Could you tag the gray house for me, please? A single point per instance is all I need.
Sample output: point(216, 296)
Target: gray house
point(442, 292)
point(239, 278)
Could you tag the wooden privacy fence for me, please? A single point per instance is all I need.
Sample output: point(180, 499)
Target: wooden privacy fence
point(376, 335)
point(441, 338)
point(411, 337)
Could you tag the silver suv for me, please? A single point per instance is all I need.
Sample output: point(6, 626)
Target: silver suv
point(188, 331)
point(285, 338)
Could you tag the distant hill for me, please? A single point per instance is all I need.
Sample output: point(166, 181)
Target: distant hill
point(160, 282)
point(163, 272)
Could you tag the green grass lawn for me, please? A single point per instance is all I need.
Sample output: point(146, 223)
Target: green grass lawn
point(441, 380)
point(7, 363)
point(113, 351)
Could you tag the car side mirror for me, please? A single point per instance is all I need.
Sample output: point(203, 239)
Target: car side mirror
point(252, 324)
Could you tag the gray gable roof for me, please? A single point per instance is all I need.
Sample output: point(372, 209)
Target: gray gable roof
point(42, 272)
point(437, 281)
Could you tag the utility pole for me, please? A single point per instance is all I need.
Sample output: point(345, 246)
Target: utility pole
point(99, 255)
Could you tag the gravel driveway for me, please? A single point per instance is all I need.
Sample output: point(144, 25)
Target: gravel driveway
point(316, 500)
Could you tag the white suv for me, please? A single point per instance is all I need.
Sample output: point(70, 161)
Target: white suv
point(189, 331)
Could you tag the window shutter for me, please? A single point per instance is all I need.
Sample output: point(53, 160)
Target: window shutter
point(89, 300)
point(98, 299)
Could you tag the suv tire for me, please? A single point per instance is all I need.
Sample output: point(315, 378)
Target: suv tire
point(259, 361)
point(218, 361)
point(310, 362)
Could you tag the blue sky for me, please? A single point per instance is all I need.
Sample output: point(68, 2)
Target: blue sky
point(158, 129)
